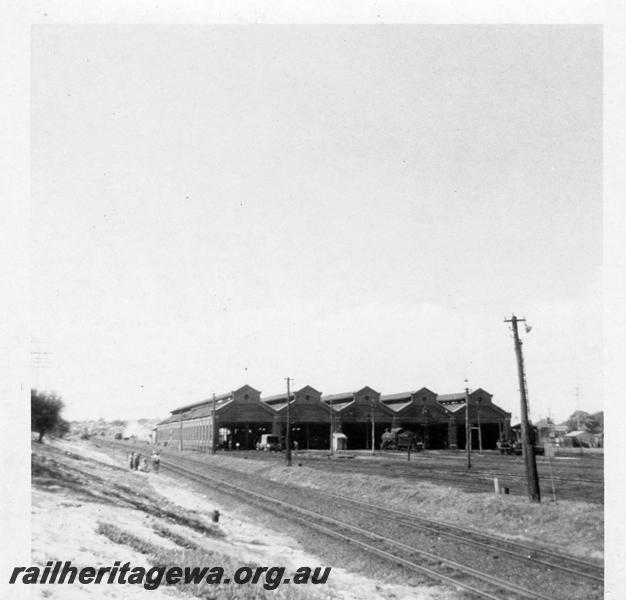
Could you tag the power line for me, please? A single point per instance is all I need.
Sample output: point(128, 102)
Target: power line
point(40, 359)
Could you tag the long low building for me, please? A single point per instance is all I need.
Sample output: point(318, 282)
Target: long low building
point(240, 417)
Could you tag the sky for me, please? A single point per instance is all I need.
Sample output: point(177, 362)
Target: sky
point(343, 205)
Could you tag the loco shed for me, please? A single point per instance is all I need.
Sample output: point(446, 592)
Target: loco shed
point(242, 416)
point(419, 412)
point(353, 414)
point(489, 422)
point(309, 418)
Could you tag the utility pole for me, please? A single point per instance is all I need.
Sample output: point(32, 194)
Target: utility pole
point(468, 430)
point(330, 407)
point(288, 432)
point(577, 410)
point(532, 477)
point(213, 427)
point(373, 426)
point(480, 433)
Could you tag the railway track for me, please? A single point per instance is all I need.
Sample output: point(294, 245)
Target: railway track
point(437, 568)
point(529, 553)
point(577, 463)
point(489, 475)
point(493, 466)
point(532, 554)
point(475, 480)
point(539, 560)
point(484, 468)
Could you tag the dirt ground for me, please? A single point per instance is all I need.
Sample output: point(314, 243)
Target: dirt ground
point(76, 489)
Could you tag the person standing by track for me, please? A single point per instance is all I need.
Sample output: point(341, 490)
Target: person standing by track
point(156, 461)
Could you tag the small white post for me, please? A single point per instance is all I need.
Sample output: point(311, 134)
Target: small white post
point(496, 485)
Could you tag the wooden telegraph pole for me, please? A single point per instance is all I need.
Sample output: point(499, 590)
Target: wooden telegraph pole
point(330, 407)
point(213, 427)
point(527, 447)
point(288, 432)
point(373, 428)
point(468, 430)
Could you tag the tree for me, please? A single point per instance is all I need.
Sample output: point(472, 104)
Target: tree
point(577, 420)
point(583, 420)
point(61, 428)
point(595, 423)
point(45, 412)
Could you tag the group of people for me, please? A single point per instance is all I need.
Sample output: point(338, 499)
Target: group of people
point(140, 463)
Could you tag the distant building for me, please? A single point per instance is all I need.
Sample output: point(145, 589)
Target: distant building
point(309, 418)
point(583, 439)
point(242, 416)
point(488, 421)
point(356, 412)
point(420, 412)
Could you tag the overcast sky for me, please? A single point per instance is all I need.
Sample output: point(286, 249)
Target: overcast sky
point(344, 205)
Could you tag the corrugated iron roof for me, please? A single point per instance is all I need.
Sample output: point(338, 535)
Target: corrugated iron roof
point(398, 396)
point(277, 397)
point(201, 409)
point(451, 397)
point(218, 398)
point(338, 397)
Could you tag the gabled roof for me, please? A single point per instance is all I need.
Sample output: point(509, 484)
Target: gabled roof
point(339, 406)
point(245, 386)
point(308, 388)
point(367, 388)
point(398, 406)
point(279, 401)
point(219, 398)
point(455, 407)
